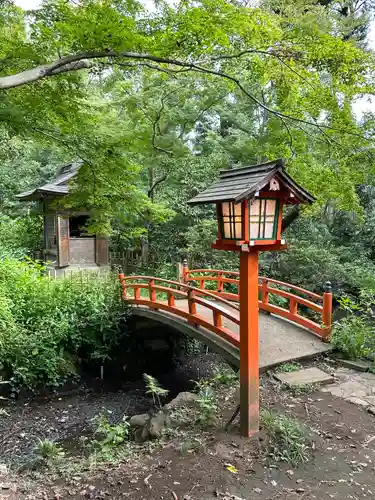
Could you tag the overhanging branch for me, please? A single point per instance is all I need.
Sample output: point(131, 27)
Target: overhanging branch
point(82, 60)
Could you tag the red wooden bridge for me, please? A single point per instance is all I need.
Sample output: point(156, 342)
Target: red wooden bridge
point(205, 305)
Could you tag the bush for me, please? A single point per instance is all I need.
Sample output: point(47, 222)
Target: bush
point(20, 236)
point(47, 328)
point(354, 335)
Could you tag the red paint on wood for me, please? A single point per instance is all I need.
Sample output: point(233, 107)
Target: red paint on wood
point(249, 344)
point(192, 304)
point(151, 285)
point(171, 301)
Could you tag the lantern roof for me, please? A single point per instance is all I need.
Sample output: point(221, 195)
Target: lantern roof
point(59, 186)
point(238, 184)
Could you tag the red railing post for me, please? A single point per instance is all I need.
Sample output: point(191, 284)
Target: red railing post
point(191, 302)
point(121, 277)
point(220, 284)
point(171, 302)
point(293, 307)
point(185, 270)
point(218, 319)
point(137, 293)
point(264, 291)
point(327, 309)
point(152, 292)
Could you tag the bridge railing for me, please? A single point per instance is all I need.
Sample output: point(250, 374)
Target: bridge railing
point(319, 321)
point(200, 307)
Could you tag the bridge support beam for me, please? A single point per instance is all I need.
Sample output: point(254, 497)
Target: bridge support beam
point(249, 343)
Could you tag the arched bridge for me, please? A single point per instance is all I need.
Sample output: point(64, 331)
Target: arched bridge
point(205, 305)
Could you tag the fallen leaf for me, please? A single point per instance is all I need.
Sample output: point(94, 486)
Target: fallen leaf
point(231, 468)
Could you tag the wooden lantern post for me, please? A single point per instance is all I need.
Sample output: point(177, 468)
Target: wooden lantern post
point(249, 207)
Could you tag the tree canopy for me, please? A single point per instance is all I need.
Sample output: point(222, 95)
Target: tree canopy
point(178, 91)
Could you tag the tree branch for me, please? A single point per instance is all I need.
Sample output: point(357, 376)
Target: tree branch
point(156, 183)
point(82, 60)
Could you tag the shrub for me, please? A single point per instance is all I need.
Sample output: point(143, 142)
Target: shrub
point(48, 327)
point(354, 335)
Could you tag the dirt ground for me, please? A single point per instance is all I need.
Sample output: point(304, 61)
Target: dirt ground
point(341, 463)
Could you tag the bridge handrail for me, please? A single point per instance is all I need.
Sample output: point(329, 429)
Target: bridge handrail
point(179, 285)
point(194, 297)
point(220, 276)
point(321, 304)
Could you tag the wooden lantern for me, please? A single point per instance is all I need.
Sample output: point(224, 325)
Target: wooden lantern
point(249, 204)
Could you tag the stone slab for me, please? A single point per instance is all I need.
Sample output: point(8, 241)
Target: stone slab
point(305, 376)
point(359, 365)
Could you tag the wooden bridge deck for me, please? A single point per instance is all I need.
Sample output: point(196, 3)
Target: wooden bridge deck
point(279, 340)
point(212, 316)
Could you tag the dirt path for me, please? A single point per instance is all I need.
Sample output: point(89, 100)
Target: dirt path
point(341, 464)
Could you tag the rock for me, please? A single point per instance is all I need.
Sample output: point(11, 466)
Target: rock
point(357, 401)
point(359, 365)
point(305, 376)
point(182, 399)
point(3, 470)
point(371, 409)
point(257, 490)
point(157, 424)
point(139, 420)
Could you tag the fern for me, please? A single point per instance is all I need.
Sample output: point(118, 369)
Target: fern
point(155, 389)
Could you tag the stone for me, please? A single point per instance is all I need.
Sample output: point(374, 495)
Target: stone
point(139, 420)
point(359, 365)
point(182, 399)
point(357, 401)
point(371, 409)
point(3, 470)
point(305, 376)
point(157, 424)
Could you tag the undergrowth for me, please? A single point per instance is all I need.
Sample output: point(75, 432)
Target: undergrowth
point(286, 439)
point(354, 334)
point(49, 327)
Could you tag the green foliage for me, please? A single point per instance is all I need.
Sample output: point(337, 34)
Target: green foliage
point(224, 376)
point(301, 389)
point(20, 236)
point(354, 334)
point(206, 404)
point(286, 438)
point(155, 389)
point(193, 445)
point(47, 453)
point(143, 126)
point(289, 367)
point(47, 328)
point(108, 436)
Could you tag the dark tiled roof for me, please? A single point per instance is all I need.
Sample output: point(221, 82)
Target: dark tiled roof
point(57, 187)
point(240, 183)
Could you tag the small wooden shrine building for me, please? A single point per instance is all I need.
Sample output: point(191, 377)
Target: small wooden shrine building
point(66, 241)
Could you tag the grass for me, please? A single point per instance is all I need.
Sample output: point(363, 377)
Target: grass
point(193, 445)
point(287, 439)
point(289, 367)
point(299, 390)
